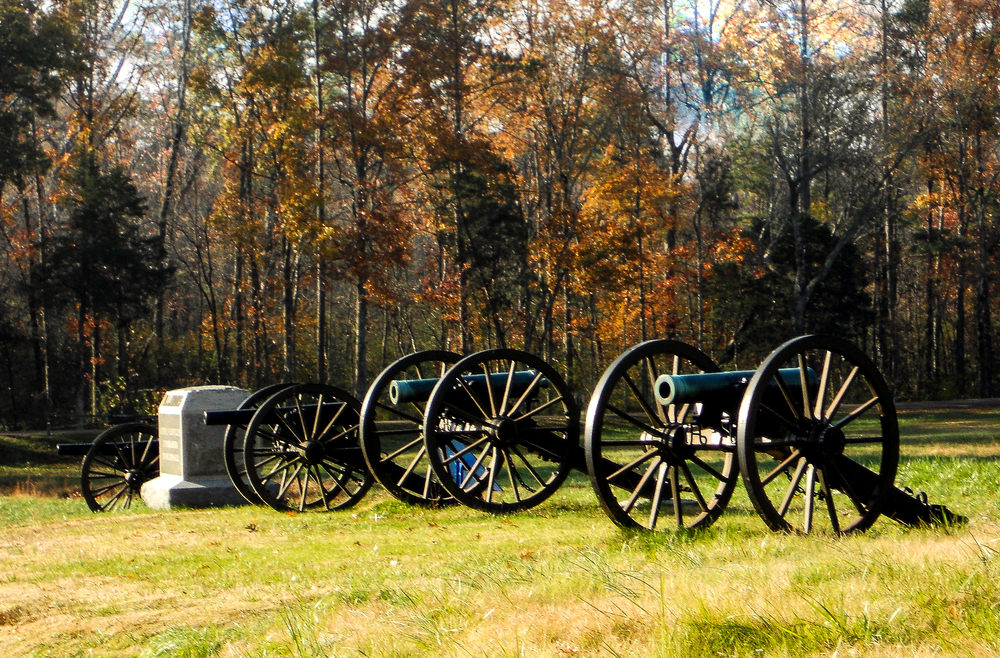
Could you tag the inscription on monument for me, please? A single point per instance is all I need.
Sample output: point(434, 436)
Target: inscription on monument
point(170, 442)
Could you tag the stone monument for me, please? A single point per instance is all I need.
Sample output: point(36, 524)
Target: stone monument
point(192, 461)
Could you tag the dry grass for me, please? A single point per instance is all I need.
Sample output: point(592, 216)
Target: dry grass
point(388, 580)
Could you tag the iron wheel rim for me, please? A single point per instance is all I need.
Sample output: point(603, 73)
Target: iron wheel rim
point(117, 464)
point(501, 454)
point(392, 435)
point(637, 469)
point(299, 460)
point(798, 450)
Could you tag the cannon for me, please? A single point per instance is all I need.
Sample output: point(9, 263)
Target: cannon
point(116, 465)
point(496, 431)
point(667, 437)
point(813, 432)
point(294, 447)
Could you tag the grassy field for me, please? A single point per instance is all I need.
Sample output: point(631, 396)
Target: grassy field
point(385, 579)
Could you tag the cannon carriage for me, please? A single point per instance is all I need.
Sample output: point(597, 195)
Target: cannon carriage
point(667, 437)
point(116, 465)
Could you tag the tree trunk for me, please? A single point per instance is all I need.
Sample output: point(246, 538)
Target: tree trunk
point(959, 344)
point(177, 139)
point(320, 326)
point(81, 362)
point(288, 310)
point(361, 342)
point(239, 369)
point(568, 335)
point(34, 311)
point(983, 315)
point(95, 356)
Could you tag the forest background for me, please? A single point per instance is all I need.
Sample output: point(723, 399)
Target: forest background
point(253, 191)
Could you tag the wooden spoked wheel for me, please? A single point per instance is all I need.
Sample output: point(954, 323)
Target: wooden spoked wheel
point(655, 466)
point(392, 431)
point(301, 450)
point(117, 464)
point(234, 441)
point(820, 457)
point(501, 429)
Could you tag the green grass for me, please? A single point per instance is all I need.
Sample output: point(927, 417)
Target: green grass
point(388, 580)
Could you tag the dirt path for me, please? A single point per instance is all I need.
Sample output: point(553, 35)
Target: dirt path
point(949, 405)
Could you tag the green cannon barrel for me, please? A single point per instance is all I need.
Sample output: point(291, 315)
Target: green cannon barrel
point(701, 387)
point(419, 390)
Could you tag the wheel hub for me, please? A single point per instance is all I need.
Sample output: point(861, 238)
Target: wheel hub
point(505, 430)
point(826, 440)
point(671, 443)
point(678, 445)
point(313, 452)
point(134, 478)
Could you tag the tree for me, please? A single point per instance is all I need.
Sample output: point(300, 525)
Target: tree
point(100, 260)
point(34, 51)
point(366, 120)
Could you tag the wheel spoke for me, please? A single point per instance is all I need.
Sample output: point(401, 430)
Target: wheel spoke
point(302, 416)
point(653, 416)
point(397, 453)
point(863, 440)
point(458, 454)
point(304, 485)
point(628, 467)
point(491, 475)
point(527, 464)
point(624, 443)
point(779, 417)
point(489, 392)
point(856, 413)
point(144, 459)
point(675, 494)
point(840, 394)
point(654, 511)
point(475, 399)
point(427, 483)
point(282, 466)
point(821, 395)
point(114, 466)
point(708, 469)
point(831, 506)
point(475, 466)
point(694, 488)
point(101, 490)
point(114, 499)
point(635, 421)
point(780, 468)
point(528, 392)
point(810, 498)
point(639, 487)
point(105, 474)
point(322, 489)
point(413, 465)
point(505, 460)
point(803, 384)
point(287, 483)
point(792, 486)
point(332, 423)
point(466, 416)
point(506, 388)
point(396, 411)
point(848, 490)
point(539, 408)
point(787, 394)
point(284, 422)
